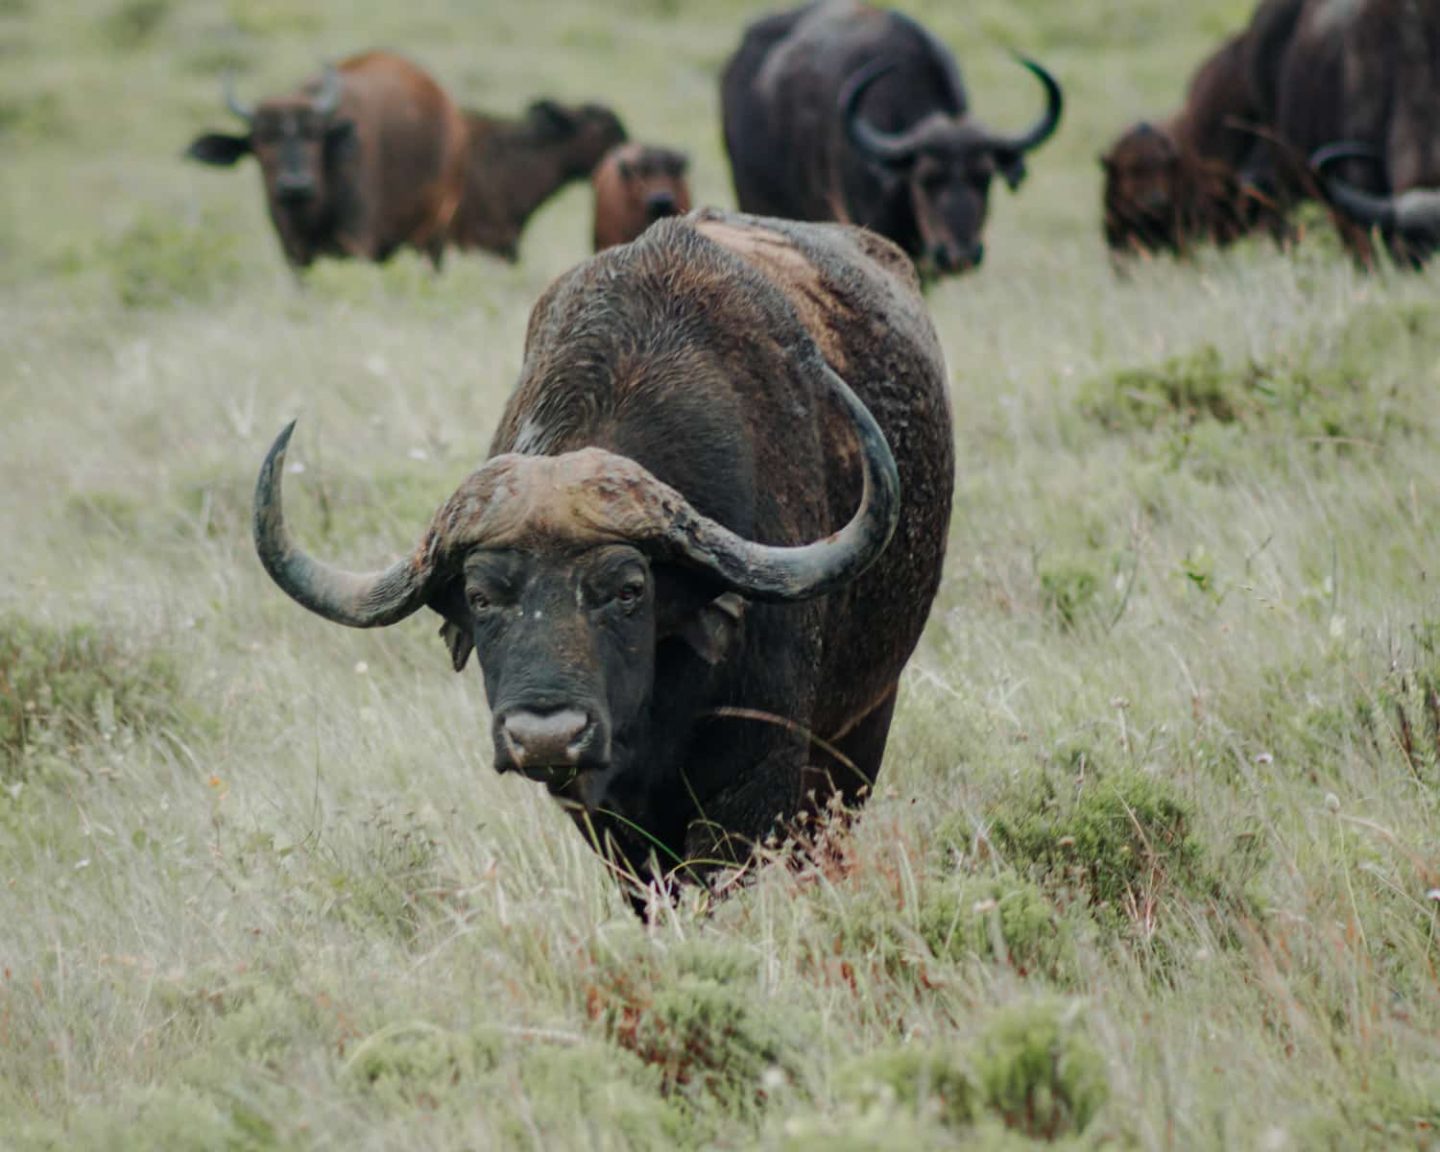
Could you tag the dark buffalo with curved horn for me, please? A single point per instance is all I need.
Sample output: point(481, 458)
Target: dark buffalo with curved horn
point(1365, 73)
point(841, 111)
point(358, 162)
point(1183, 181)
point(705, 542)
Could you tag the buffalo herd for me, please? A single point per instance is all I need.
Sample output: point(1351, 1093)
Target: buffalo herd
point(1326, 100)
point(713, 517)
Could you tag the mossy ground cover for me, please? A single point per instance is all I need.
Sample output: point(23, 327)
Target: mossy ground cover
point(1153, 862)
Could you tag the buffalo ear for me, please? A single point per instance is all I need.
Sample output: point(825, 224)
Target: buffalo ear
point(218, 149)
point(1012, 167)
point(460, 642)
point(553, 118)
point(449, 603)
point(714, 630)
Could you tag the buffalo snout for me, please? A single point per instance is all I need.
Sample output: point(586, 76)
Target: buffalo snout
point(294, 186)
point(658, 205)
point(535, 742)
point(952, 258)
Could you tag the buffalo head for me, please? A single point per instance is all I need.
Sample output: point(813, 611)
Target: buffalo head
point(946, 163)
point(289, 136)
point(655, 180)
point(565, 574)
point(1143, 175)
point(1409, 220)
point(586, 132)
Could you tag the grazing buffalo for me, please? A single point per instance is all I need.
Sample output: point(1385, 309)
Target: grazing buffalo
point(840, 111)
point(358, 162)
point(516, 165)
point(1385, 58)
point(1171, 185)
point(1366, 74)
point(635, 185)
point(706, 539)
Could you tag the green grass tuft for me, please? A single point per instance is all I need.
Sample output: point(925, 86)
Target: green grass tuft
point(60, 686)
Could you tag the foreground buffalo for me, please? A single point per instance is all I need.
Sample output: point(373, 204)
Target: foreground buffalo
point(515, 165)
point(635, 185)
point(692, 569)
point(839, 111)
point(1171, 185)
point(359, 162)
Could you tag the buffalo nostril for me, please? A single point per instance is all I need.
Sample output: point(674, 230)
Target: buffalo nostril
point(294, 187)
point(554, 739)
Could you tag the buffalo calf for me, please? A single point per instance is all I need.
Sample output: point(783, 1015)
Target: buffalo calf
point(1171, 185)
point(514, 165)
point(635, 185)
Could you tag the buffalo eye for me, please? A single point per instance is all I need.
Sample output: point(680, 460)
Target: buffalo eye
point(630, 593)
point(479, 602)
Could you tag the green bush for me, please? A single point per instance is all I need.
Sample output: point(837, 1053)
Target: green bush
point(1068, 588)
point(932, 1082)
point(158, 262)
point(1183, 389)
point(1004, 918)
point(1123, 847)
point(32, 117)
point(1037, 1070)
point(132, 24)
point(62, 686)
point(698, 1020)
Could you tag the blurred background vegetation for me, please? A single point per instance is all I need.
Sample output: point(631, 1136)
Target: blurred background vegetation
point(1154, 860)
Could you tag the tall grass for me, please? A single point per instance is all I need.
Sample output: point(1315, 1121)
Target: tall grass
point(1154, 857)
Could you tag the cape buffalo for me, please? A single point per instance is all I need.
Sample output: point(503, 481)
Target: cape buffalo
point(1386, 173)
point(358, 162)
point(1365, 73)
point(635, 185)
point(692, 569)
point(840, 111)
point(516, 165)
point(1182, 181)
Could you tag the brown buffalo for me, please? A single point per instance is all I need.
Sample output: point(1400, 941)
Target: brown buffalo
point(1183, 181)
point(705, 542)
point(515, 165)
point(635, 185)
point(358, 162)
point(841, 111)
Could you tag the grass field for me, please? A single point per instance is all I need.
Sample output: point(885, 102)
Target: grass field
point(1156, 858)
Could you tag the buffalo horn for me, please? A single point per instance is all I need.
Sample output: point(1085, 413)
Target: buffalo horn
point(232, 102)
point(1043, 128)
point(328, 98)
point(770, 572)
point(894, 149)
point(621, 501)
point(1363, 207)
point(360, 600)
